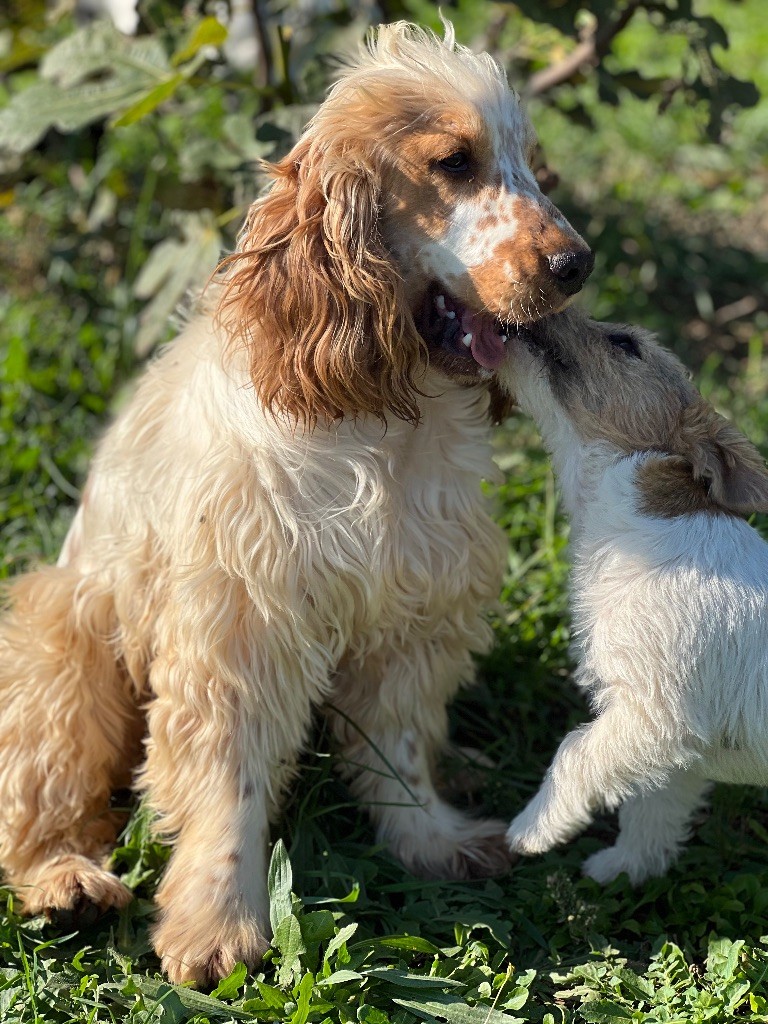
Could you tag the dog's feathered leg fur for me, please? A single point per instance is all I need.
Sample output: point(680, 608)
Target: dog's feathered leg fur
point(391, 729)
point(68, 734)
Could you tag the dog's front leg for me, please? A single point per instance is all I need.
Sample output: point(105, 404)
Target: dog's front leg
point(597, 765)
point(221, 732)
point(390, 721)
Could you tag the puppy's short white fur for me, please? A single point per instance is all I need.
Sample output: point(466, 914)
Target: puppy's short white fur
point(669, 591)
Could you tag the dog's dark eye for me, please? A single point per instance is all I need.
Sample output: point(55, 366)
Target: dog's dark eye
point(624, 341)
point(456, 163)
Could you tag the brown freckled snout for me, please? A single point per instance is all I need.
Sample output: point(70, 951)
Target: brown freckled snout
point(570, 269)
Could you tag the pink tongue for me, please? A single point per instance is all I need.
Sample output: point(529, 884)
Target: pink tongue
point(487, 346)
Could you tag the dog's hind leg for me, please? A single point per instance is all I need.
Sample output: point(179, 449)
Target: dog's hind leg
point(597, 765)
point(68, 729)
point(389, 719)
point(653, 826)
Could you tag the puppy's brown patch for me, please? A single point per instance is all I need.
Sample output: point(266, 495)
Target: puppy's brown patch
point(667, 489)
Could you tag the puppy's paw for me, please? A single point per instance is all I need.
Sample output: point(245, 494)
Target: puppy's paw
point(605, 865)
point(526, 839)
point(72, 890)
point(203, 953)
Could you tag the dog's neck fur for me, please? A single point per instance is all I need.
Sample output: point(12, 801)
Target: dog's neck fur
point(580, 467)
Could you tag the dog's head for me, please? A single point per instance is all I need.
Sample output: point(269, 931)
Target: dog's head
point(405, 228)
point(586, 382)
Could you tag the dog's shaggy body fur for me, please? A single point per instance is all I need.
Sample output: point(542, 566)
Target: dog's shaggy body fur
point(669, 591)
point(289, 512)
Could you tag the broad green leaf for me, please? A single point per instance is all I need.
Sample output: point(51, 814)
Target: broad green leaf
point(100, 47)
point(287, 939)
point(456, 1011)
point(208, 32)
point(149, 101)
point(407, 980)
point(84, 78)
point(172, 269)
point(198, 1002)
point(339, 939)
point(271, 996)
point(340, 978)
point(229, 987)
point(279, 883)
point(413, 943)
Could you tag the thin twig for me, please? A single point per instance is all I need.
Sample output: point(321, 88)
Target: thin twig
point(265, 69)
point(589, 52)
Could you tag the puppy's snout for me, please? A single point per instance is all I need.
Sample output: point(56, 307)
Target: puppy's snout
point(571, 269)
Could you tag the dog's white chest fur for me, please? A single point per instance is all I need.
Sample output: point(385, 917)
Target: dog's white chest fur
point(670, 619)
point(354, 530)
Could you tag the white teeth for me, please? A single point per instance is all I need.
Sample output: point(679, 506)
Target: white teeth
point(504, 338)
point(440, 303)
point(467, 340)
point(451, 315)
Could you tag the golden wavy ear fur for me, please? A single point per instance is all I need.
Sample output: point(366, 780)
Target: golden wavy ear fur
point(315, 297)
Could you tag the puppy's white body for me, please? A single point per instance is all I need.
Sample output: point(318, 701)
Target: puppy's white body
point(675, 610)
point(670, 626)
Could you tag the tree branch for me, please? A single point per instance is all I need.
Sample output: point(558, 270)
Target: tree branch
point(589, 52)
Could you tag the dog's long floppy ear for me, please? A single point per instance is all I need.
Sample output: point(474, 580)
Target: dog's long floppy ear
point(314, 296)
point(732, 468)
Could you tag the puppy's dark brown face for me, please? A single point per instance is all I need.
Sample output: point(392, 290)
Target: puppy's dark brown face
point(612, 381)
point(586, 382)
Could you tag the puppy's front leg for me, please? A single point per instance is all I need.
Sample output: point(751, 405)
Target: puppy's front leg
point(598, 764)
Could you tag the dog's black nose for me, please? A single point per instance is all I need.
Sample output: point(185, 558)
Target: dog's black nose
point(571, 269)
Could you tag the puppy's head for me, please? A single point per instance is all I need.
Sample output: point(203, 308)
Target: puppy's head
point(405, 227)
point(587, 382)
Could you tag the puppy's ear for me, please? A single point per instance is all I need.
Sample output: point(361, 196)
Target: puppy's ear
point(315, 298)
point(732, 468)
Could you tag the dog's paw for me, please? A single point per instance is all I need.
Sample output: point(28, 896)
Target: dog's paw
point(452, 846)
point(72, 890)
point(204, 953)
point(483, 855)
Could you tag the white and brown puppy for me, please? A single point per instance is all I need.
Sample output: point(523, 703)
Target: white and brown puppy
point(289, 512)
point(669, 590)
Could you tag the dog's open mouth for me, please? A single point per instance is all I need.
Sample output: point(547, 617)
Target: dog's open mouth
point(454, 330)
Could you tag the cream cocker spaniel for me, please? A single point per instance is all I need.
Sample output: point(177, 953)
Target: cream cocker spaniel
point(289, 512)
